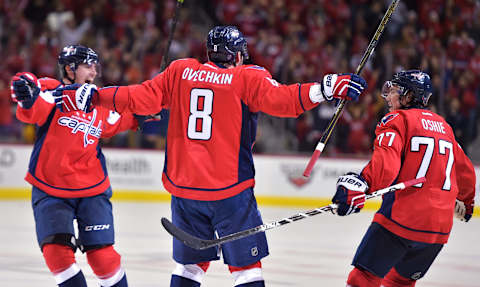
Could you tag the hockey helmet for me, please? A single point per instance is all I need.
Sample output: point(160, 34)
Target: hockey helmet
point(73, 56)
point(414, 81)
point(224, 42)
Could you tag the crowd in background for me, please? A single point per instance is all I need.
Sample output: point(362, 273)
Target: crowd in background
point(296, 40)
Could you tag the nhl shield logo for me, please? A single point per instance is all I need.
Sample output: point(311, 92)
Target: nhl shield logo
point(416, 275)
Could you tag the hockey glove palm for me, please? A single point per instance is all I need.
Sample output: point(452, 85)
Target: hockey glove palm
point(75, 97)
point(340, 86)
point(25, 88)
point(350, 195)
point(463, 211)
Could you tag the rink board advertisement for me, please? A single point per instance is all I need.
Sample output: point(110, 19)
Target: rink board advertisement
point(140, 171)
point(136, 175)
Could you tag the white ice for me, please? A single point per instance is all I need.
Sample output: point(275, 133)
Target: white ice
point(316, 251)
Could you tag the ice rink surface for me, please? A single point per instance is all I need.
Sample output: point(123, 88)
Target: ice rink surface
point(316, 251)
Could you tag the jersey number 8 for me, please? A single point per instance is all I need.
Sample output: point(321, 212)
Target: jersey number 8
point(200, 119)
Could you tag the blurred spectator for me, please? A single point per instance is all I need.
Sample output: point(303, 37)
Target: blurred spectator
point(295, 40)
point(7, 129)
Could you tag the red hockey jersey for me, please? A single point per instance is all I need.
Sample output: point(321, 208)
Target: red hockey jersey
point(411, 144)
point(67, 160)
point(213, 121)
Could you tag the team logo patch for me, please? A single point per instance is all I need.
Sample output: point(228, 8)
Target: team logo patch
point(419, 76)
point(83, 125)
point(386, 119)
point(69, 50)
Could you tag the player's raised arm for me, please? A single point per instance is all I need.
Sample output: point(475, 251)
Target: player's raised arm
point(146, 98)
point(267, 95)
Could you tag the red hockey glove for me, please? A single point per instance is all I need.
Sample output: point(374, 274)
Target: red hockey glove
point(75, 97)
point(464, 211)
point(342, 86)
point(24, 88)
point(350, 195)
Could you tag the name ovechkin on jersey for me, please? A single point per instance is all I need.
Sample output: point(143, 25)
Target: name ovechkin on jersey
point(78, 124)
point(207, 76)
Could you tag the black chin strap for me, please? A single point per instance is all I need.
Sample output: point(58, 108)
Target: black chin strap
point(72, 81)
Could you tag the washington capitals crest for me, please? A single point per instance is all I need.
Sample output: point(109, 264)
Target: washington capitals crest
point(386, 119)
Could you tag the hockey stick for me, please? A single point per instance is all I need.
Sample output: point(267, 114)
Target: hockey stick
point(198, 243)
point(371, 47)
point(164, 62)
point(170, 37)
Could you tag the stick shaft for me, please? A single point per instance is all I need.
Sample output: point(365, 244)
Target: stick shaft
point(371, 47)
point(198, 243)
point(170, 37)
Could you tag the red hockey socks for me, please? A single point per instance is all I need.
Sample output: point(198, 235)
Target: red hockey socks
point(60, 259)
point(362, 278)
point(393, 279)
point(105, 263)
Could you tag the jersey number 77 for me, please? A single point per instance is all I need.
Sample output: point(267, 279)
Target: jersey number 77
point(443, 145)
point(416, 142)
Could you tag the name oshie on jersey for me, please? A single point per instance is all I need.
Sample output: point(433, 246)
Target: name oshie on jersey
point(83, 125)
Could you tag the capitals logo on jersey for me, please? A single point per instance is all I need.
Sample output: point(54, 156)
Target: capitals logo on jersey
point(78, 124)
point(386, 119)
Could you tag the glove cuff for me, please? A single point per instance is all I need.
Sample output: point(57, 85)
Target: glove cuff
point(83, 96)
point(47, 96)
point(315, 94)
point(328, 85)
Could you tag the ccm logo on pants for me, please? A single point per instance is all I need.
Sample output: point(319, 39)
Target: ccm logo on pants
point(97, 227)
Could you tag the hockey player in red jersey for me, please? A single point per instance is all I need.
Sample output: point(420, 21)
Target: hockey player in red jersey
point(67, 170)
point(212, 127)
point(412, 225)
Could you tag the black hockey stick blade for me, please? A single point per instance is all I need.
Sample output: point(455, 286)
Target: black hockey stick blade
point(184, 237)
point(200, 244)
